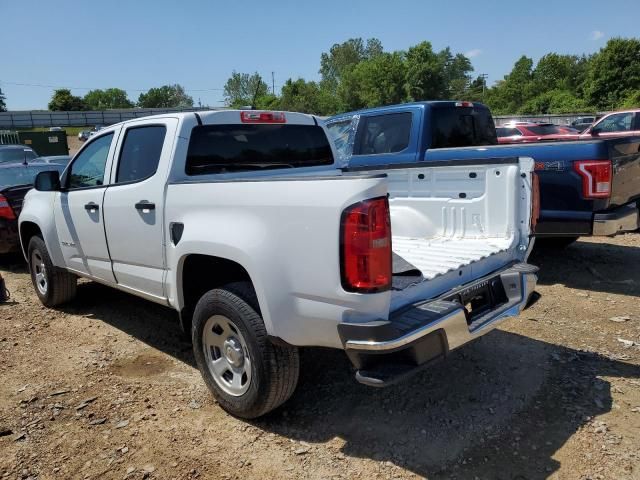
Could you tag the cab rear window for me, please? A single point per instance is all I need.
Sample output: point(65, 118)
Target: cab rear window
point(233, 148)
point(462, 127)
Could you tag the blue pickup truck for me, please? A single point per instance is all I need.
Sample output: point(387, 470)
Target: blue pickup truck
point(587, 187)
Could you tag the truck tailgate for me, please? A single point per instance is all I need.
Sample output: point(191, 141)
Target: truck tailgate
point(625, 155)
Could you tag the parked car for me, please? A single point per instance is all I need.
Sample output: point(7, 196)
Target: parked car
point(526, 132)
point(582, 123)
point(587, 187)
point(16, 153)
point(243, 223)
point(57, 159)
point(16, 179)
point(84, 135)
point(95, 130)
point(616, 124)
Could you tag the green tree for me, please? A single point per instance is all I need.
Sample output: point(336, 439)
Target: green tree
point(374, 82)
point(167, 96)
point(107, 99)
point(554, 101)
point(632, 100)
point(3, 103)
point(426, 78)
point(508, 95)
point(614, 73)
point(243, 89)
point(344, 56)
point(63, 100)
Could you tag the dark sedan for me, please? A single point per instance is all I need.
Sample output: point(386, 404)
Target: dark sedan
point(16, 153)
point(16, 179)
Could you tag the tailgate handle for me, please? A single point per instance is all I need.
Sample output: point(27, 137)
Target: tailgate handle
point(145, 205)
point(92, 207)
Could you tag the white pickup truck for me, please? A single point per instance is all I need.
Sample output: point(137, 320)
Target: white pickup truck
point(243, 223)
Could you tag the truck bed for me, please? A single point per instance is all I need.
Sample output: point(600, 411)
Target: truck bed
point(438, 256)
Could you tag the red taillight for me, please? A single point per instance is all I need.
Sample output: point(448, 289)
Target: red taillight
point(464, 104)
point(250, 116)
point(596, 177)
point(366, 247)
point(6, 211)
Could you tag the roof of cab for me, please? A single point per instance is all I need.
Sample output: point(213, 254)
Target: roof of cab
point(403, 106)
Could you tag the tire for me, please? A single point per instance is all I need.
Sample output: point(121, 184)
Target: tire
point(555, 243)
point(54, 286)
point(227, 325)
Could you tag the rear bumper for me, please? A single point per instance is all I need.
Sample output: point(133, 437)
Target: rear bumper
point(385, 351)
point(622, 219)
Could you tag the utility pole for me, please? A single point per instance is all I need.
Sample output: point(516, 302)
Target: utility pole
point(484, 83)
point(273, 83)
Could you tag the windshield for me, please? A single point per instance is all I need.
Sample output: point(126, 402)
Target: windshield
point(23, 175)
point(228, 148)
point(16, 154)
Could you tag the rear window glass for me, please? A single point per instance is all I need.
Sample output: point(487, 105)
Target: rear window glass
point(384, 133)
point(545, 129)
point(16, 154)
point(232, 148)
point(462, 127)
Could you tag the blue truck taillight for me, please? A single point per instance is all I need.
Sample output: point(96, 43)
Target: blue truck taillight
point(596, 177)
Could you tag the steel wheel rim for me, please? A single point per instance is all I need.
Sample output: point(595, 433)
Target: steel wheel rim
point(227, 355)
point(39, 271)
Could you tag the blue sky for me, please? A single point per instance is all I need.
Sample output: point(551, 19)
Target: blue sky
point(139, 44)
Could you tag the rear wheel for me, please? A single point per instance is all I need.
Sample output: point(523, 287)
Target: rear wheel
point(247, 374)
point(53, 285)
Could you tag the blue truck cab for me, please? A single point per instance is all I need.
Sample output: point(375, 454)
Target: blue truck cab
point(587, 187)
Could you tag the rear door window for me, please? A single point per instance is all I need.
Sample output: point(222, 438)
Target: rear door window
point(462, 127)
point(544, 129)
point(507, 132)
point(232, 148)
point(140, 153)
point(384, 133)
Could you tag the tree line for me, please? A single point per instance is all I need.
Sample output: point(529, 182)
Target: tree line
point(360, 73)
point(357, 74)
point(167, 96)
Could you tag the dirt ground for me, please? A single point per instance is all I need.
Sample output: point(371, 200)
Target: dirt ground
point(106, 388)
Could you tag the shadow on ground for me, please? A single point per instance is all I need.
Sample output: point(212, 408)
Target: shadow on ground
point(497, 408)
point(601, 267)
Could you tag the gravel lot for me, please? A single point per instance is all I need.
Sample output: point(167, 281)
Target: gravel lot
point(105, 388)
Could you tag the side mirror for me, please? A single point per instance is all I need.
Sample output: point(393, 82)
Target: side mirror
point(48, 181)
point(595, 131)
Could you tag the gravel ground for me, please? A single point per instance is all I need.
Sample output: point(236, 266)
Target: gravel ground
point(106, 388)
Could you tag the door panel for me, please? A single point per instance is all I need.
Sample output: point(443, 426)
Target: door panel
point(134, 206)
point(78, 209)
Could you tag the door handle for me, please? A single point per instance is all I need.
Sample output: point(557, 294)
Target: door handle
point(145, 205)
point(92, 207)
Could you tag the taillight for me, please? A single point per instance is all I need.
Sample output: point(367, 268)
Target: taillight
point(6, 211)
point(365, 249)
point(250, 116)
point(596, 177)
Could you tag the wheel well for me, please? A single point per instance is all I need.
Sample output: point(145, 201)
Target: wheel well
point(28, 230)
point(201, 273)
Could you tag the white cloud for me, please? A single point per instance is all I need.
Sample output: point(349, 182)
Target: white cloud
point(473, 53)
point(597, 35)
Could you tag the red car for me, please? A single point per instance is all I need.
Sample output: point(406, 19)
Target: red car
point(525, 132)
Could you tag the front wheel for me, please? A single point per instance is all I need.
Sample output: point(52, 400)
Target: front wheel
point(247, 374)
point(53, 285)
